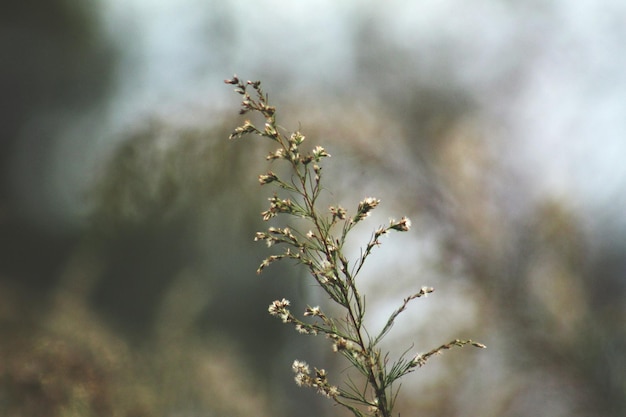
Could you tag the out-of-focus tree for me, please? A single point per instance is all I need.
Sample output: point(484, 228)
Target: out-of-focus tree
point(543, 291)
point(174, 216)
point(56, 65)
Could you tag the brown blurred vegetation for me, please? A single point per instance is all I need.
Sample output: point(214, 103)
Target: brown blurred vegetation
point(152, 308)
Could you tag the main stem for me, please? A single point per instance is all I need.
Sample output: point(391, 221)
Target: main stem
point(375, 366)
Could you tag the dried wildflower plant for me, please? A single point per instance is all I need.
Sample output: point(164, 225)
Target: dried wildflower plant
point(321, 251)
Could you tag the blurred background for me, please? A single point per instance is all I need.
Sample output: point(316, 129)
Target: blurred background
point(127, 284)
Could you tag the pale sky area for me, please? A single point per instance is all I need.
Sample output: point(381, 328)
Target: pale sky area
point(572, 94)
point(549, 76)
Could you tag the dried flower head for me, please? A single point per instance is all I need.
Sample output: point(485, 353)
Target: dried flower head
point(339, 213)
point(365, 207)
point(403, 225)
point(300, 367)
point(267, 178)
point(279, 309)
point(312, 311)
point(319, 153)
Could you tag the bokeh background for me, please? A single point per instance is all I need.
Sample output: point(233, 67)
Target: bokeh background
point(127, 283)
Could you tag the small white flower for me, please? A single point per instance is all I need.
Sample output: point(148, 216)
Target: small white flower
point(319, 152)
point(332, 391)
point(300, 367)
point(312, 311)
point(301, 329)
point(301, 380)
point(267, 178)
point(403, 225)
point(279, 308)
point(364, 208)
point(424, 291)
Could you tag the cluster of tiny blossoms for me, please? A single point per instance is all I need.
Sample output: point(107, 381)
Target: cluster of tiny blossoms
point(319, 380)
point(320, 250)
